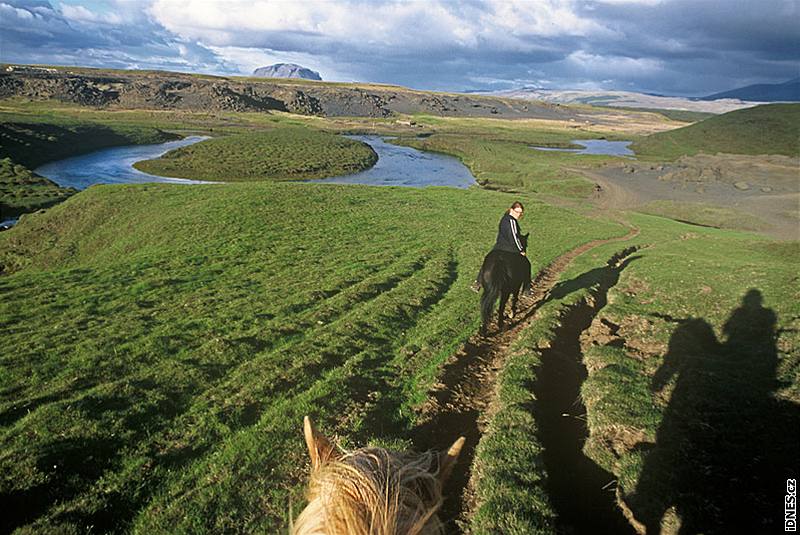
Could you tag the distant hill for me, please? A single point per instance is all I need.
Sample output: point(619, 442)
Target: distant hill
point(622, 99)
point(785, 92)
point(286, 70)
point(766, 129)
point(131, 90)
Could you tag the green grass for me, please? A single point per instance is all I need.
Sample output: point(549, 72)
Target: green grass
point(499, 153)
point(34, 142)
point(155, 380)
point(687, 387)
point(684, 116)
point(511, 493)
point(767, 129)
point(162, 343)
point(22, 191)
point(288, 153)
point(705, 215)
point(28, 140)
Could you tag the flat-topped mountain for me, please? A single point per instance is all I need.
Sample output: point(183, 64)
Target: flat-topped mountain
point(286, 70)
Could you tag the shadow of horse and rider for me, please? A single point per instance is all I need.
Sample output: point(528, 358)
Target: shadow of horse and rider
point(726, 444)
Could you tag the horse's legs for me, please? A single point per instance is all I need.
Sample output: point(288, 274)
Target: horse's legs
point(501, 311)
point(514, 301)
point(526, 274)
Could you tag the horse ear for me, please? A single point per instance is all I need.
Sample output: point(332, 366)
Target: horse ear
point(319, 447)
point(447, 460)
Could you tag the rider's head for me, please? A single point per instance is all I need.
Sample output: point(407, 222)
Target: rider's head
point(516, 210)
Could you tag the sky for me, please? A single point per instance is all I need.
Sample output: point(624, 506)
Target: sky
point(668, 47)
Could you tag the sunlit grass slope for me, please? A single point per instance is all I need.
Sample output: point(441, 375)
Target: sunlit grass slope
point(699, 379)
point(768, 129)
point(287, 153)
point(161, 343)
point(690, 383)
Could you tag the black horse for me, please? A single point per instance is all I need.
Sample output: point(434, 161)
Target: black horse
point(503, 274)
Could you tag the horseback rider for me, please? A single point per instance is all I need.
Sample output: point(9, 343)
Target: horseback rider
point(509, 239)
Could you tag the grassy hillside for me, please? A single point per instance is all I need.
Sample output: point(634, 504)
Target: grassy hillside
point(287, 153)
point(22, 191)
point(36, 142)
point(769, 129)
point(162, 343)
point(692, 347)
point(29, 140)
point(694, 378)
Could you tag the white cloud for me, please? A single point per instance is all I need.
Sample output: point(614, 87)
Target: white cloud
point(503, 24)
point(81, 14)
point(11, 11)
point(542, 19)
point(613, 66)
point(679, 46)
point(631, 2)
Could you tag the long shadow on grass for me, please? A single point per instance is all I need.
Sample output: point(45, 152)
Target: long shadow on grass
point(725, 446)
point(577, 486)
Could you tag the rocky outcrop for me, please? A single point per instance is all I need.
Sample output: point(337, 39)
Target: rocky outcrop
point(164, 90)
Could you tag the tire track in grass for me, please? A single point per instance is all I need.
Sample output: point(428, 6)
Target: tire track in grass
point(461, 403)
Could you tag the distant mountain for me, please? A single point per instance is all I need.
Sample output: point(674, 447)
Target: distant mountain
point(624, 99)
point(286, 70)
point(785, 92)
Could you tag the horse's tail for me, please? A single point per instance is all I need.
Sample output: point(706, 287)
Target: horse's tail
point(493, 281)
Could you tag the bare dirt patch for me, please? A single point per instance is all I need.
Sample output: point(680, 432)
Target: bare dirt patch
point(759, 193)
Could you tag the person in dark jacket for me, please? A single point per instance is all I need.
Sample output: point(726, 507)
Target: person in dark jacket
point(509, 239)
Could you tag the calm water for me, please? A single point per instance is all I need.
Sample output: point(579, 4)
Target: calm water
point(404, 166)
point(396, 166)
point(113, 166)
point(596, 146)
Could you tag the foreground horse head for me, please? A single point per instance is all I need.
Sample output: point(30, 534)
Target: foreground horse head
point(372, 491)
point(502, 275)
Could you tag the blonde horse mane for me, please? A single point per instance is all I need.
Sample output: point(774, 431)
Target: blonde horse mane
point(372, 491)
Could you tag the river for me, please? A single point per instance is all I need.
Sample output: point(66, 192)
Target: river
point(113, 166)
point(596, 146)
point(396, 166)
point(405, 166)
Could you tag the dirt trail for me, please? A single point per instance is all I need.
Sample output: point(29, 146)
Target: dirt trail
point(461, 403)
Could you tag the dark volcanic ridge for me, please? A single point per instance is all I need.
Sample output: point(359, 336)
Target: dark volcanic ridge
point(166, 90)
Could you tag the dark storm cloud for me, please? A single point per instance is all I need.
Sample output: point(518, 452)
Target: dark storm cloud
point(669, 47)
point(704, 46)
point(33, 31)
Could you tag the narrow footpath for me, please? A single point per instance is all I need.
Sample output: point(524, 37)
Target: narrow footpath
point(460, 405)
